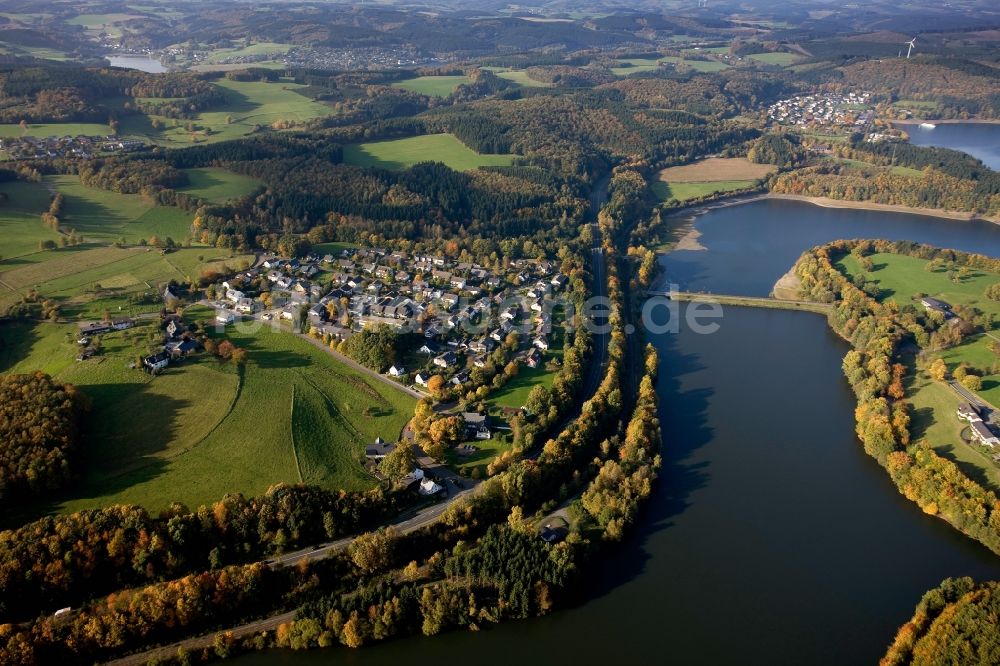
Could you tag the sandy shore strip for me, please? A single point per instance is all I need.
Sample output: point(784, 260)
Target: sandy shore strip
point(948, 121)
point(891, 208)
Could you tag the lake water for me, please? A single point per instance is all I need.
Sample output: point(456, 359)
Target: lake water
point(142, 63)
point(750, 246)
point(771, 538)
point(980, 140)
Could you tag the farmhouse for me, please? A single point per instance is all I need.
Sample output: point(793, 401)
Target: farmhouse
point(935, 305)
point(157, 361)
point(982, 434)
point(968, 412)
point(380, 449)
point(477, 425)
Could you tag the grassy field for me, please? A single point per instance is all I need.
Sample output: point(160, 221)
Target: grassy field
point(629, 66)
point(433, 86)
point(218, 185)
point(933, 419)
point(901, 278)
point(250, 105)
point(107, 216)
point(88, 280)
point(403, 153)
point(13, 130)
point(20, 224)
point(515, 392)
point(518, 76)
point(779, 58)
point(260, 48)
point(708, 176)
point(204, 428)
point(687, 191)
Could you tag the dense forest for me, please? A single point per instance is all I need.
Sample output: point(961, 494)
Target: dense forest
point(39, 434)
point(954, 623)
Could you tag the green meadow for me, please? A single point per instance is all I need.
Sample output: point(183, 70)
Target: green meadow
point(107, 216)
point(901, 278)
point(780, 59)
point(402, 153)
point(933, 419)
point(21, 228)
point(259, 48)
point(14, 130)
point(629, 66)
point(218, 185)
point(433, 86)
point(250, 105)
point(204, 428)
point(685, 191)
point(518, 76)
point(87, 280)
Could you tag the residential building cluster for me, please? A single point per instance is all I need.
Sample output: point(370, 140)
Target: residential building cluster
point(30, 147)
point(822, 110)
point(462, 310)
point(374, 57)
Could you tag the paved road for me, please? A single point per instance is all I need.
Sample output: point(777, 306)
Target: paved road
point(409, 522)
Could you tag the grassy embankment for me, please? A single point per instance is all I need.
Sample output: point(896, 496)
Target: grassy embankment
point(402, 153)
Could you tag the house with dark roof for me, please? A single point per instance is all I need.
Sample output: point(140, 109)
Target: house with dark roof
point(379, 450)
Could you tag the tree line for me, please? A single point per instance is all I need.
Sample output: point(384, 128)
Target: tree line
point(876, 331)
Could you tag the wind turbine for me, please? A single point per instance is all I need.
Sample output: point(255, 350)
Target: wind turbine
point(909, 47)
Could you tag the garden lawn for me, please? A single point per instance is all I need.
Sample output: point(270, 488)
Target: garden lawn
point(218, 185)
point(403, 153)
point(433, 86)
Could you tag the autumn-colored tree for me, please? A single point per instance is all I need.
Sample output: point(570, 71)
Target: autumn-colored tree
point(972, 382)
point(436, 384)
point(938, 370)
point(398, 463)
point(373, 551)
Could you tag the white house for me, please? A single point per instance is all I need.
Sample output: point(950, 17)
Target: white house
point(397, 371)
point(421, 379)
point(225, 317)
point(428, 487)
point(157, 361)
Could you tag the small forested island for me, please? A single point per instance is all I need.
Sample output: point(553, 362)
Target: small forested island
point(336, 326)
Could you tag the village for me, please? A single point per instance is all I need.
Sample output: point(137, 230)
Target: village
point(32, 148)
point(822, 110)
point(461, 311)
